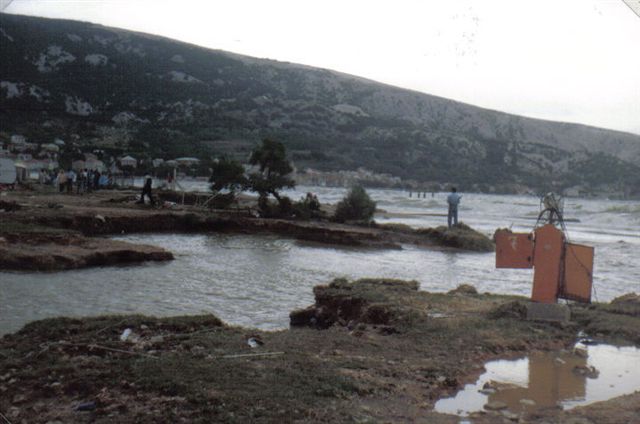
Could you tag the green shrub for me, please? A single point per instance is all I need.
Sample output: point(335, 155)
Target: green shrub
point(283, 208)
point(356, 206)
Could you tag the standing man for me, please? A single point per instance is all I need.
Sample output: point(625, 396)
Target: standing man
point(61, 180)
point(146, 190)
point(453, 199)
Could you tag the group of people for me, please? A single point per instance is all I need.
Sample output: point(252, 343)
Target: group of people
point(84, 181)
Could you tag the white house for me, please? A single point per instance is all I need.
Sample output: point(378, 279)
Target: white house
point(128, 161)
point(50, 147)
point(187, 161)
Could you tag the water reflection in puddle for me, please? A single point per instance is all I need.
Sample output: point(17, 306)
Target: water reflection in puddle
point(550, 379)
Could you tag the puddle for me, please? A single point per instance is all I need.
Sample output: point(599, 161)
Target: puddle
point(550, 379)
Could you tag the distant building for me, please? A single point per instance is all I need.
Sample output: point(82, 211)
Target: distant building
point(128, 161)
point(34, 165)
point(187, 161)
point(95, 164)
point(50, 147)
point(18, 139)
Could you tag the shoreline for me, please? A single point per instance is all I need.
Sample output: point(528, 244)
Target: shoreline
point(45, 231)
point(374, 350)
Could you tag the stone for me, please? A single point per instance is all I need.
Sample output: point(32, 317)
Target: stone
point(587, 371)
point(511, 415)
point(495, 406)
point(198, 351)
point(577, 420)
point(551, 312)
point(156, 339)
point(18, 399)
point(464, 289)
point(13, 412)
point(583, 353)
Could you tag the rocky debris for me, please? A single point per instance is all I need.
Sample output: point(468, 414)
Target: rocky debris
point(460, 236)
point(629, 298)
point(495, 405)
point(351, 303)
point(9, 206)
point(516, 309)
point(580, 352)
point(464, 289)
point(588, 371)
point(510, 415)
point(628, 304)
point(577, 420)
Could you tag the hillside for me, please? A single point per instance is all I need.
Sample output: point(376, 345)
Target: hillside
point(149, 96)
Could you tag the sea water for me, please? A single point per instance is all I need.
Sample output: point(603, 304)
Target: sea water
point(256, 280)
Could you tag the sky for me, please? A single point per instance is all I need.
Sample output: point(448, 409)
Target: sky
point(563, 60)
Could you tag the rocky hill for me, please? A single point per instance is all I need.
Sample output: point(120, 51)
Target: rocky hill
point(134, 93)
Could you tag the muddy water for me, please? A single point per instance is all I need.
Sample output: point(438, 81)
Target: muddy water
point(257, 280)
point(550, 379)
point(245, 280)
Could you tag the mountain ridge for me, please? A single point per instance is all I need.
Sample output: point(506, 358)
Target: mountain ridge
point(140, 93)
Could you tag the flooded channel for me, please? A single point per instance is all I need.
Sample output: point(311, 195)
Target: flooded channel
point(256, 280)
point(565, 379)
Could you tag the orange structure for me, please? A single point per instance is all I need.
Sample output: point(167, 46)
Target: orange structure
point(561, 269)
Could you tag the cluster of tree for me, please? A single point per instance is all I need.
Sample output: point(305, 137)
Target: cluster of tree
point(270, 173)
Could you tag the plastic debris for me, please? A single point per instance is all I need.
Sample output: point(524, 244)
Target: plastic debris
point(86, 406)
point(254, 342)
point(125, 335)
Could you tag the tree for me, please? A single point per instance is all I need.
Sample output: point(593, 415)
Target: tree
point(356, 206)
point(227, 174)
point(274, 168)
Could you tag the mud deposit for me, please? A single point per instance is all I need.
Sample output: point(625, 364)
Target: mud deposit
point(366, 351)
point(47, 231)
point(58, 251)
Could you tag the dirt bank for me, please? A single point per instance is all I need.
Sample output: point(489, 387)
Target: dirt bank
point(369, 351)
point(48, 251)
point(115, 212)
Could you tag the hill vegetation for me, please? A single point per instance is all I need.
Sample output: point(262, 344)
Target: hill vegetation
point(125, 92)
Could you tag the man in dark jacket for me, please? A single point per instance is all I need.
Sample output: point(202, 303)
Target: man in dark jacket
point(146, 190)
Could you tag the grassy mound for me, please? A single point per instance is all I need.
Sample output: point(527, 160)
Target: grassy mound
point(460, 236)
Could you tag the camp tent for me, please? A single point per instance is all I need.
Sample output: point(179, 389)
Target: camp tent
point(7, 171)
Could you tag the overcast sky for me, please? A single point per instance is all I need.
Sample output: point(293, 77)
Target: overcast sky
point(564, 60)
